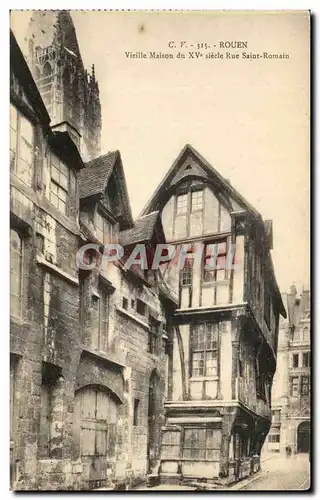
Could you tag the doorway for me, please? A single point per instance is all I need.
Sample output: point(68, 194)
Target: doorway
point(303, 437)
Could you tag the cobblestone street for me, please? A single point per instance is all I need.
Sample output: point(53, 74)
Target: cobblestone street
point(279, 473)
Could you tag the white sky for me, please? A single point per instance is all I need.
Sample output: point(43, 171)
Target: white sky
point(249, 119)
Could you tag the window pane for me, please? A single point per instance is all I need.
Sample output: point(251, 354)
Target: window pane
point(211, 364)
point(55, 173)
point(26, 129)
point(182, 203)
point(13, 117)
point(196, 200)
point(26, 151)
point(62, 195)
point(54, 200)
point(64, 183)
point(62, 206)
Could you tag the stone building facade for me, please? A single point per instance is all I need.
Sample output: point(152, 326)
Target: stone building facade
point(224, 347)
point(88, 347)
point(291, 394)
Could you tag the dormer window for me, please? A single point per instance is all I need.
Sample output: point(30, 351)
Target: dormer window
point(104, 229)
point(59, 184)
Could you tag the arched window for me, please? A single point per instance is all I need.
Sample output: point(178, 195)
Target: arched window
point(15, 273)
point(306, 334)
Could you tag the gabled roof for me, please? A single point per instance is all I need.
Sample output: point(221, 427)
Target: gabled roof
point(93, 181)
point(142, 230)
point(210, 175)
point(94, 177)
point(162, 191)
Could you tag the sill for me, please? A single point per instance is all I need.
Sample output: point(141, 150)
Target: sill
point(204, 379)
point(133, 317)
point(43, 262)
point(104, 356)
point(214, 284)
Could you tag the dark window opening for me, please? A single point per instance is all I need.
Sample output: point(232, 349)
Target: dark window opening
point(136, 411)
point(306, 359)
point(133, 304)
point(141, 307)
point(153, 336)
point(124, 303)
point(295, 360)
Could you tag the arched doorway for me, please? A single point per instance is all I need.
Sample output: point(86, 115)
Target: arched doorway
point(153, 434)
point(303, 437)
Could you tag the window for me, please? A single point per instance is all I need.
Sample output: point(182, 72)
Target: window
point(260, 379)
point(170, 446)
point(201, 443)
point(21, 145)
point(141, 307)
point(103, 320)
point(240, 368)
point(215, 258)
point(133, 304)
point(276, 414)
point(274, 438)
point(295, 386)
point(186, 273)
point(267, 304)
point(295, 360)
point(305, 386)
point(136, 411)
point(59, 184)
point(153, 336)
point(124, 303)
point(306, 334)
point(196, 200)
point(205, 350)
point(104, 230)
point(15, 273)
point(306, 359)
point(182, 204)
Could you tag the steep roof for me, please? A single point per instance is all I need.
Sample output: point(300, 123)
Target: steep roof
point(94, 177)
point(142, 230)
point(212, 174)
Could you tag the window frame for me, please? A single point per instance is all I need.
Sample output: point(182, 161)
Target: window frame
point(305, 382)
point(61, 190)
point(104, 228)
point(21, 259)
point(219, 254)
point(103, 319)
point(306, 356)
point(296, 386)
point(153, 336)
point(203, 452)
point(295, 356)
point(202, 367)
point(15, 162)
